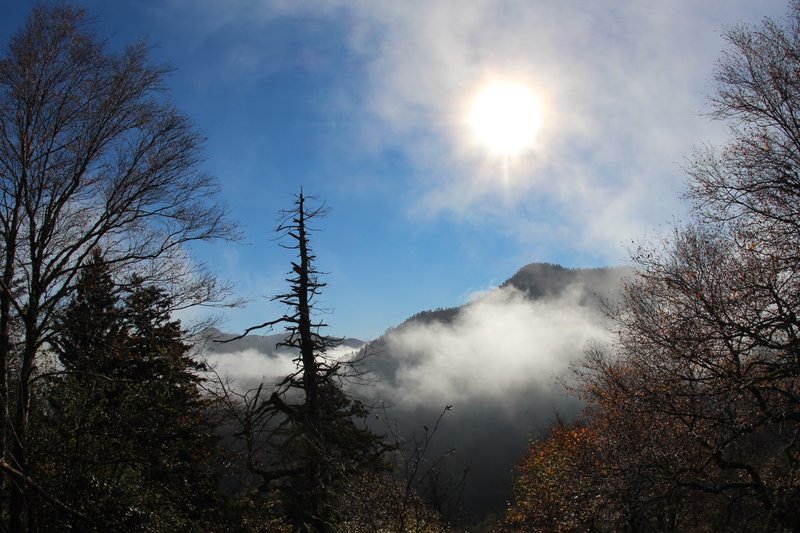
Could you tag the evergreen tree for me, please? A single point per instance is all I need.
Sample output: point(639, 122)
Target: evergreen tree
point(124, 435)
point(166, 413)
point(89, 333)
point(93, 154)
point(77, 445)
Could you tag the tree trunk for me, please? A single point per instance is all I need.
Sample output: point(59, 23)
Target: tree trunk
point(5, 339)
point(19, 459)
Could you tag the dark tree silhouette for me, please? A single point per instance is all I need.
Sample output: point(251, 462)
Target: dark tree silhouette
point(314, 442)
point(123, 435)
point(91, 153)
point(89, 334)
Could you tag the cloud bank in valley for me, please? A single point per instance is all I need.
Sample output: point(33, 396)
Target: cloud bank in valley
point(499, 346)
point(500, 361)
point(497, 360)
point(253, 365)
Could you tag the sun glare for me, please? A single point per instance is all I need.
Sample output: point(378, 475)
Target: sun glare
point(506, 117)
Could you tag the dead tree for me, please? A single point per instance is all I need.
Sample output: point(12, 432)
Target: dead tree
point(314, 441)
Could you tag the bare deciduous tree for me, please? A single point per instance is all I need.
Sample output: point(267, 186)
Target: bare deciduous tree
point(695, 413)
point(91, 154)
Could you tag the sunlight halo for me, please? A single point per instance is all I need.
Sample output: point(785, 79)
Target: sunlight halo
point(506, 117)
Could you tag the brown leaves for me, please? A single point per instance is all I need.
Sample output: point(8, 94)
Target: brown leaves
point(552, 487)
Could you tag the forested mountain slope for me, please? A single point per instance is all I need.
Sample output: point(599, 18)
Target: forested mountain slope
point(496, 359)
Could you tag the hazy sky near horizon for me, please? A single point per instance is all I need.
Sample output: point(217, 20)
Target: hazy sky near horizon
point(365, 103)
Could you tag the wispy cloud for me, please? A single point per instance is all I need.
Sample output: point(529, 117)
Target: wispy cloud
point(623, 84)
point(623, 87)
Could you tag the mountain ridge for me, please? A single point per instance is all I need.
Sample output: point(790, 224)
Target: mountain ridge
point(491, 428)
point(503, 386)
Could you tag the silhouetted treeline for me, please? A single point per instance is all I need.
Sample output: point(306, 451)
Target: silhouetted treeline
point(109, 421)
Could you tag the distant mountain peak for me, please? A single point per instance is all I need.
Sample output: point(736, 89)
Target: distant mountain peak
point(543, 280)
point(537, 281)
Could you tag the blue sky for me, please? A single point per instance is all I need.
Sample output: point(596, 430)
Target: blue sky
point(364, 103)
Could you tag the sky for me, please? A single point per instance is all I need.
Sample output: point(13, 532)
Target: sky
point(366, 104)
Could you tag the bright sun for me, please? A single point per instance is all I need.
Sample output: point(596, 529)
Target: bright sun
point(506, 117)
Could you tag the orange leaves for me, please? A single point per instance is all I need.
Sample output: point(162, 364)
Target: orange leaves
point(551, 490)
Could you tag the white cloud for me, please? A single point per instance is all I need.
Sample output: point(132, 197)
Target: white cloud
point(623, 84)
point(251, 365)
point(499, 346)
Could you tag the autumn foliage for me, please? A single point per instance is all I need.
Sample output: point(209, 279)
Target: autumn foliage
point(554, 484)
point(692, 419)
